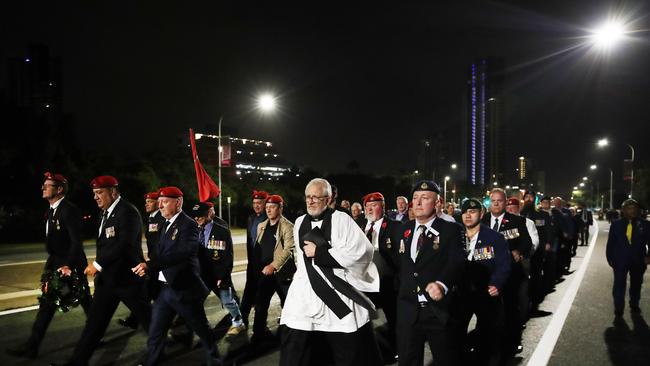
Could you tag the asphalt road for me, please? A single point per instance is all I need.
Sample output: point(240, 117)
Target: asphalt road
point(580, 329)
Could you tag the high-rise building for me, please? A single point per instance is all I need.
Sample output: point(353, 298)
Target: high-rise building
point(523, 168)
point(482, 137)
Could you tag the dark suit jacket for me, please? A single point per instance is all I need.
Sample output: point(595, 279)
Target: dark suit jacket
point(63, 241)
point(251, 223)
point(622, 254)
point(393, 216)
point(152, 227)
point(217, 264)
point(119, 246)
point(389, 235)
point(177, 258)
point(542, 223)
point(440, 259)
point(488, 270)
point(514, 228)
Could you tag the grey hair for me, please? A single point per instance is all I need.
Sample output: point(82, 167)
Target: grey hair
point(402, 197)
point(324, 184)
point(357, 204)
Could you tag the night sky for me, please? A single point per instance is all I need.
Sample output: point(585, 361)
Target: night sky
point(364, 82)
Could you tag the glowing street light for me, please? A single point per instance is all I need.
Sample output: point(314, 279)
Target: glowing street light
point(584, 178)
point(454, 166)
point(603, 142)
point(593, 167)
point(266, 103)
point(608, 34)
point(582, 184)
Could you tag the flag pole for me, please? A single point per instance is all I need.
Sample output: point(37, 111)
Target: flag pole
point(220, 158)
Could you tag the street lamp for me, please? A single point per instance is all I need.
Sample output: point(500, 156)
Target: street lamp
point(593, 167)
point(228, 200)
point(611, 185)
point(454, 166)
point(445, 189)
point(608, 34)
point(604, 142)
point(266, 103)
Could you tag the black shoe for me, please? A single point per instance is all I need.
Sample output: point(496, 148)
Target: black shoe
point(24, 351)
point(129, 322)
point(635, 309)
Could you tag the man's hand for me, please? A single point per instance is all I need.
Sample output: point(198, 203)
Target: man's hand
point(140, 269)
point(516, 256)
point(65, 271)
point(268, 270)
point(435, 291)
point(493, 291)
point(548, 247)
point(309, 249)
point(218, 283)
point(90, 270)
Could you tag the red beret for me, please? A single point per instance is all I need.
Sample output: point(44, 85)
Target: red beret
point(55, 177)
point(210, 204)
point(260, 195)
point(151, 196)
point(275, 198)
point(104, 181)
point(513, 201)
point(171, 192)
point(372, 197)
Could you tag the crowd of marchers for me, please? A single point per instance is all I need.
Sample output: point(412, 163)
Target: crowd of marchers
point(427, 268)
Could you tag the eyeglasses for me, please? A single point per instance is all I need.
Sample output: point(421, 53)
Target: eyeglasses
point(314, 198)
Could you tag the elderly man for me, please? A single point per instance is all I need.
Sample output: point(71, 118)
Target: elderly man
point(325, 300)
point(627, 251)
point(515, 231)
point(274, 261)
point(401, 214)
point(382, 232)
point(431, 264)
point(176, 266)
point(63, 236)
point(356, 210)
point(119, 250)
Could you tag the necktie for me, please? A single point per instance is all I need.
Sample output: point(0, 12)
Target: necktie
point(495, 227)
point(50, 220)
point(202, 235)
point(369, 233)
point(165, 226)
point(104, 218)
point(421, 237)
point(628, 231)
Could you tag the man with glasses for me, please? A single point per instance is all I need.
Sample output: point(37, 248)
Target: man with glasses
point(325, 302)
point(63, 233)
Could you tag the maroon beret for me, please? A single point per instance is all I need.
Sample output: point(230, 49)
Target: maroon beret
point(260, 195)
point(513, 201)
point(171, 192)
point(151, 196)
point(210, 204)
point(55, 177)
point(373, 197)
point(104, 181)
point(275, 198)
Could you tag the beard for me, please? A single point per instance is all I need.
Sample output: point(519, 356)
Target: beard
point(315, 211)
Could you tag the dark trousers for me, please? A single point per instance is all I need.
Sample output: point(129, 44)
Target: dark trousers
point(427, 328)
point(584, 236)
point(537, 292)
point(489, 327)
point(266, 287)
point(353, 349)
point(386, 299)
point(44, 317)
point(564, 257)
point(512, 308)
point(250, 291)
point(105, 301)
point(620, 284)
point(167, 305)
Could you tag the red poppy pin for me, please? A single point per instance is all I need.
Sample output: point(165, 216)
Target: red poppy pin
point(504, 221)
point(384, 224)
point(407, 233)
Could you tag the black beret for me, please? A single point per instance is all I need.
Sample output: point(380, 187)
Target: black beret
point(546, 198)
point(200, 209)
point(629, 202)
point(472, 203)
point(426, 185)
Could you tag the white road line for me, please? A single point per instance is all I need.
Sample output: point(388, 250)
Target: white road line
point(19, 310)
point(546, 345)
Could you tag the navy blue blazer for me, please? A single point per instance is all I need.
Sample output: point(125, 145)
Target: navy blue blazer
point(389, 236)
point(63, 241)
point(620, 253)
point(491, 263)
point(217, 264)
point(177, 258)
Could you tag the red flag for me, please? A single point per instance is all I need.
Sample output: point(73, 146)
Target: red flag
point(207, 188)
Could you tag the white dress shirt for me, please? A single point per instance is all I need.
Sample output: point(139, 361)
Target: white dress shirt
point(161, 276)
point(101, 227)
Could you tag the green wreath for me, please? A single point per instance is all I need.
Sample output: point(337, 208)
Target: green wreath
point(62, 292)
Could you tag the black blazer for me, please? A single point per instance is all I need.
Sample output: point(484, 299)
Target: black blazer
point(63, 240)
point(514, 229)
point(440, 259)
point(177, 258)
point(152, 227)
point(217, 264)
point(491, 264)
point(389, 234)
point(119, 246)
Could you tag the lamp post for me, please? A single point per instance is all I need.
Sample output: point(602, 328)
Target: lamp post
point(611, 179)
point(220, 158)
point(605, 142)
point(228, 200)
point(444, 196)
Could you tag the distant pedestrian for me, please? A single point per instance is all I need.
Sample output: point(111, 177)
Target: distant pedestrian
point(627, 252)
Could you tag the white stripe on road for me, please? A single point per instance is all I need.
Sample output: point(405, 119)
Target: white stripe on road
point(36, 292)
point(546, 345)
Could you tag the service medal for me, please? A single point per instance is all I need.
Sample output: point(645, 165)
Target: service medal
point(58, 225)
point(401, 246)
point(174, 233)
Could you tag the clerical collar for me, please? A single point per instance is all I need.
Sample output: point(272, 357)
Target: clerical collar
point(321, 216)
